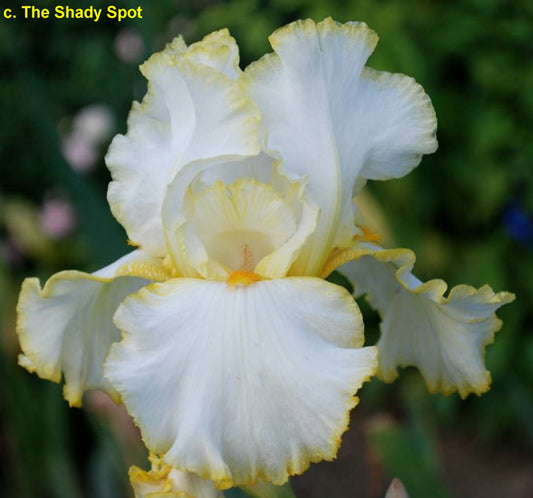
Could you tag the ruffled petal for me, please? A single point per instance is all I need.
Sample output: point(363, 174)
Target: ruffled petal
point(236, 384)
point(444, 337)
point(260, 167)
point(396, 121)
point(191, 112)
point(162, 481)
point(67, 326)
point(219, 51)
point(246, 225)
point(334, 121)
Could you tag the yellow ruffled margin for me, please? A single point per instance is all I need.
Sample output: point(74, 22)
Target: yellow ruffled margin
point(275, 264)
point(404, 260)
point(30, 358)
point(190, 70)
point(308, 27)
point(296, 466)
point(298, 463)
point(290, 38)
point(157, 477)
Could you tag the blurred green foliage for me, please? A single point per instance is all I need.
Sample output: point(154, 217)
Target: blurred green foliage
point(467, 211)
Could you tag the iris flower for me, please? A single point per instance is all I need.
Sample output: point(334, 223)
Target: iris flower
point(237, 359)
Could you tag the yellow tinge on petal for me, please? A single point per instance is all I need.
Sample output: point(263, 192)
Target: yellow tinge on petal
point(66, 327)
point(219, 51)
point(243, 277)
point(367, 235)
point(444, 337)
point(194, 112)
point(336, 122)
point(245, 383)
point(163, 481)
point(146, 270)
point(247, 225)
point(239, 364)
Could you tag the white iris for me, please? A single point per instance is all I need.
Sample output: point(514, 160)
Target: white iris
point(238, 361)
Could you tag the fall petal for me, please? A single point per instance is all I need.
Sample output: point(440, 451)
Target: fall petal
point(237, 384)
point(444, 337)
point(67, 325)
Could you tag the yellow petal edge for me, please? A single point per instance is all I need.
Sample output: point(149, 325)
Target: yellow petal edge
point(299, 461)
point(404, 260)
point(31, 357)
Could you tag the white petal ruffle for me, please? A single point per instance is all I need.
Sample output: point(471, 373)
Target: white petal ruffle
point(333, 121)
point(217, 50)
point(67, 326)
point(241, 383)
point(193, 111)
point(444, 337)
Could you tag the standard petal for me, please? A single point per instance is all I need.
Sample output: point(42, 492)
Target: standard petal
point(191, 112)
point(67, 326)
point(237, 384)
point(396, 121)
point(334, 121)
point(219, 51)
point(444, 337)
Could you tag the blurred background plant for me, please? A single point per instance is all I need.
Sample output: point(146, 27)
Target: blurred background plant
point(467, 211)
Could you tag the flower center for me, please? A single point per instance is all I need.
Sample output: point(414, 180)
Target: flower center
point(244, 275)
point(239, 249)
point(247, 258)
